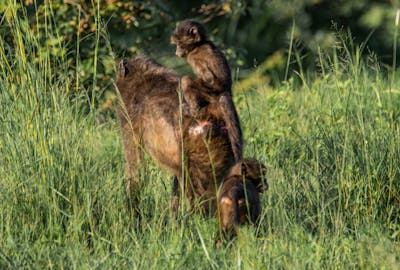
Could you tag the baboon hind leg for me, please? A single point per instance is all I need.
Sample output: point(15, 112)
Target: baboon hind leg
point(175, 197)
point(133, 164)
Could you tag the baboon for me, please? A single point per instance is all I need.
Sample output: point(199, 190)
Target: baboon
point(151, 122)
point(239, 201)
point(213, 83)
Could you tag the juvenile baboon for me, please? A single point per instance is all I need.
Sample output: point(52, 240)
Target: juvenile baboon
point(239, 201)
point(213, 83)
point(151, 122)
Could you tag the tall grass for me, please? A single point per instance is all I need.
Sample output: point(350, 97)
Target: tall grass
point(332, 149)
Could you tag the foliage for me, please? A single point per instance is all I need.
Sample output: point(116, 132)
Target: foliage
point(77, 33)
point(89, 36)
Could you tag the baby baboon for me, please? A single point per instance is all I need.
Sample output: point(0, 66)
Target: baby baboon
point(213, 83)
point(239, 201)
point(150, 124)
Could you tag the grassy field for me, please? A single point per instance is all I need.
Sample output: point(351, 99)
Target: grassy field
point(331, 144)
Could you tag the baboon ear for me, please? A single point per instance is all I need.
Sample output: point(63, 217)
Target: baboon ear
point(122, 68)
point(195, 33)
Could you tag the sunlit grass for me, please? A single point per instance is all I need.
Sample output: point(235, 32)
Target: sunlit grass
point(332, 146)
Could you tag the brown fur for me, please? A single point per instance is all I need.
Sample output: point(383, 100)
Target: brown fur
point(239, 201)
point(150, 118)
point(213, 83)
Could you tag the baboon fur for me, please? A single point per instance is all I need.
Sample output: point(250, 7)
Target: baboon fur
point(151, 121)
point(239, 201)
point(213, 83)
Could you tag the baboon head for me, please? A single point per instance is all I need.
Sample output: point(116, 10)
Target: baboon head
point(187, 35)
point(128, 67)
point(253, 170)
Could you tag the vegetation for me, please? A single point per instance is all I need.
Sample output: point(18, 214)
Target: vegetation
point(330, 138)
point(89, 35)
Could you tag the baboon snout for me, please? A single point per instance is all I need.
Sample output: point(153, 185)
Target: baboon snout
point(180, 52)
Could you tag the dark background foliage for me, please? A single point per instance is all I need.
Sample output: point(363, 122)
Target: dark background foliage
point(250, 32)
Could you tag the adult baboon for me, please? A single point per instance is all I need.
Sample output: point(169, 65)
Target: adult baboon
point(151, 121)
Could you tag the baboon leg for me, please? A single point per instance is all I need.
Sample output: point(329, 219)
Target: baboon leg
point(175, 196)
point(178, 190)
point(189, 96)
point(133, 156)
point(255, 211)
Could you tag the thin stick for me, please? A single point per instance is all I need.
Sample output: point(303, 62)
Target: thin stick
point(395, 47)
point(290, 50)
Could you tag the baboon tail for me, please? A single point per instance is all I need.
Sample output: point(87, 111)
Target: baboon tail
point(232, 123)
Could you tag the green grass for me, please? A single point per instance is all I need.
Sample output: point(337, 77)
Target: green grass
point(332, 147)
